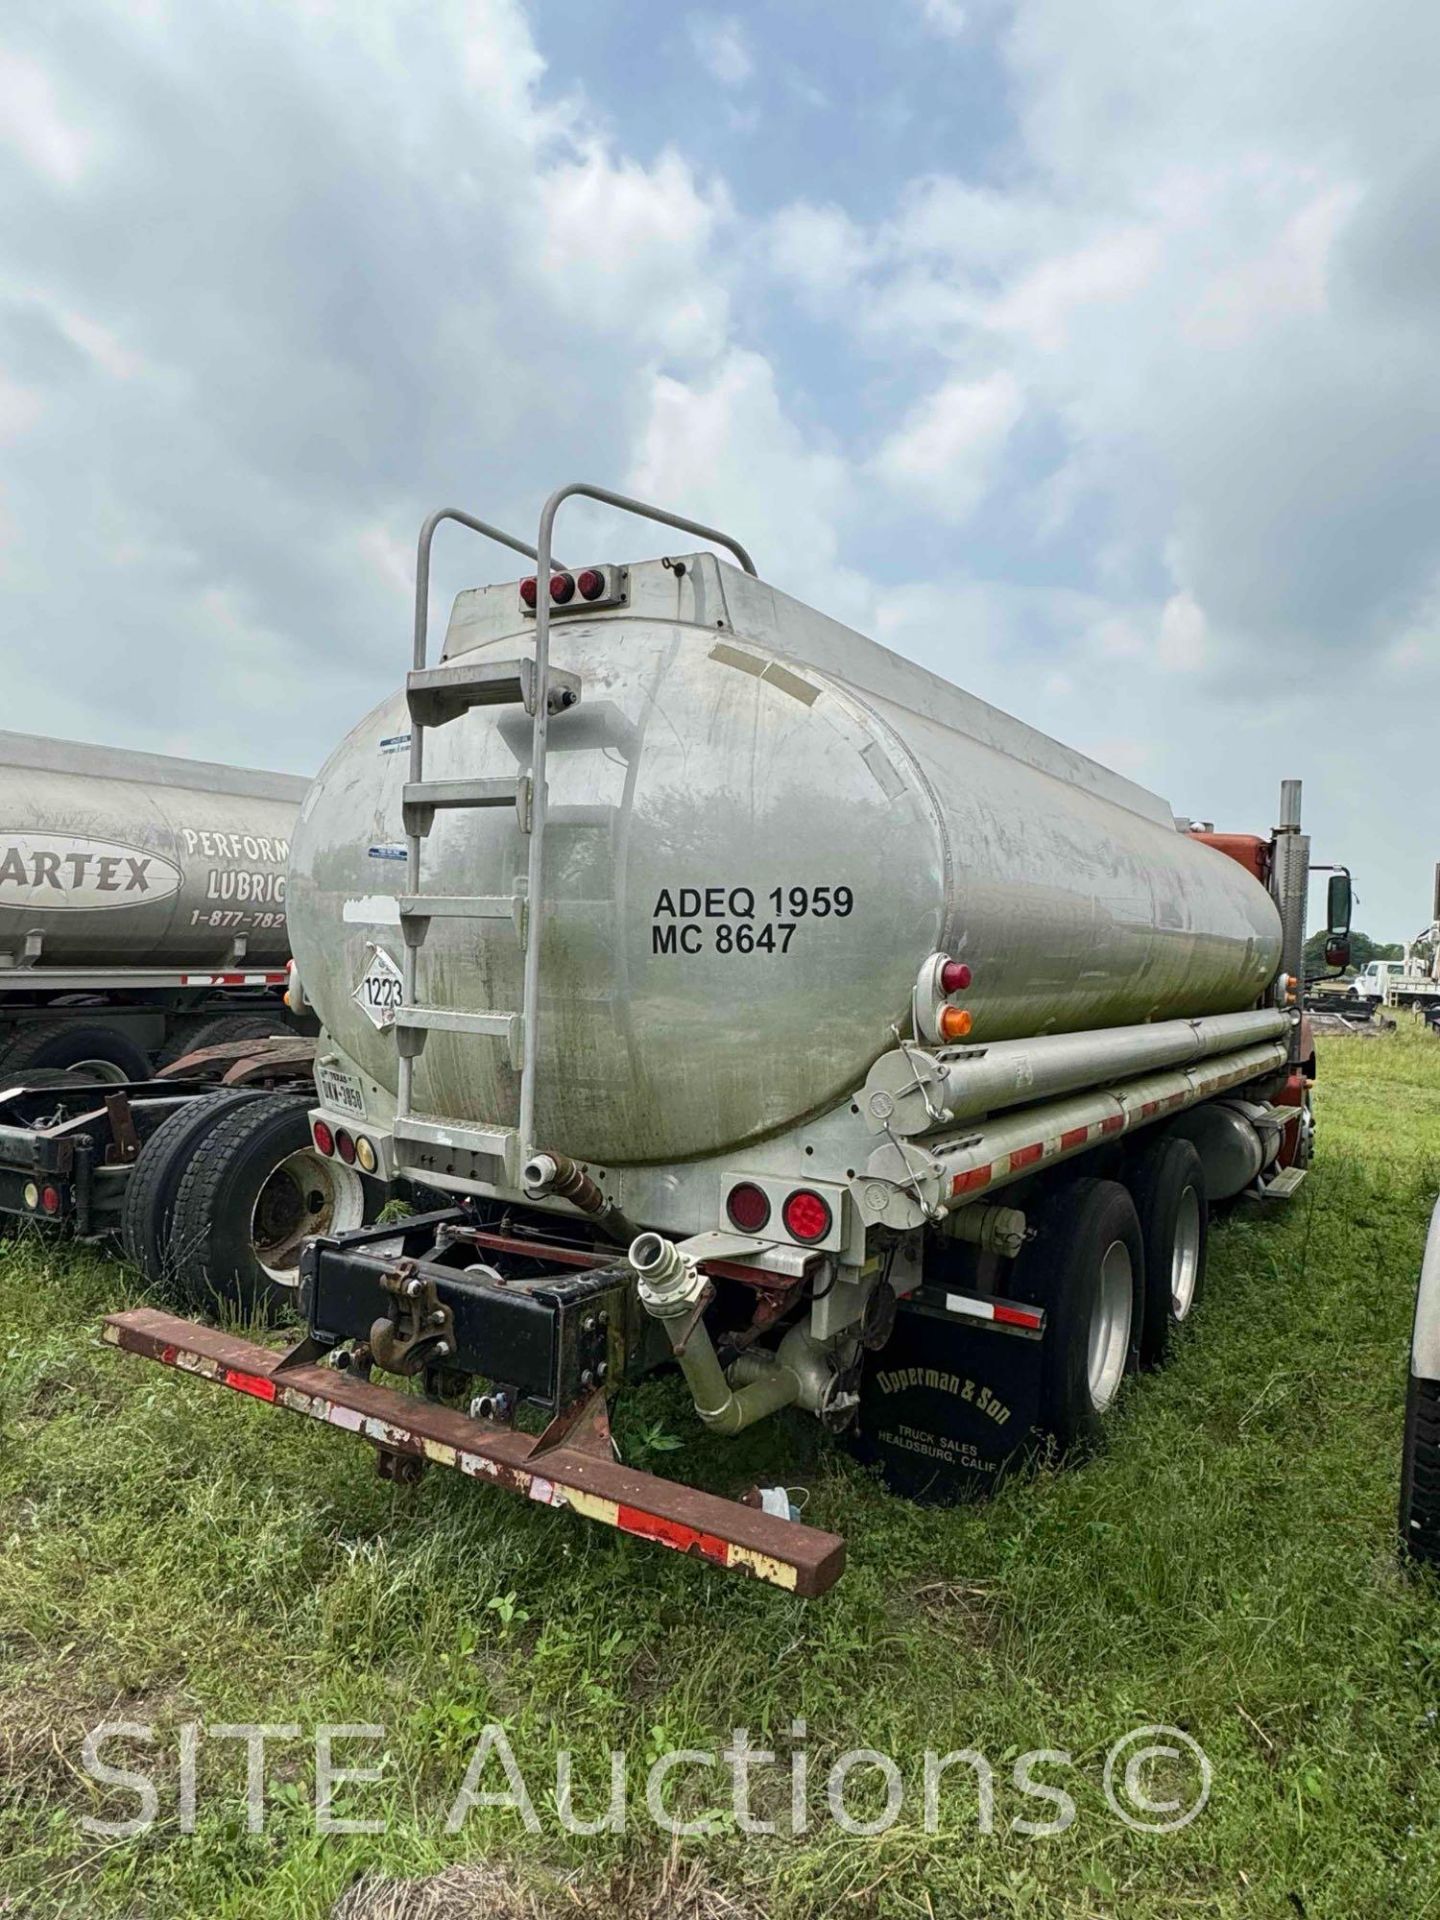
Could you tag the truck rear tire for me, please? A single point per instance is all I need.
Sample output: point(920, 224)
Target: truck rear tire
point(1086, 1267)
point(148, 1214)
point(194, 1031)
point(1167, 1184)
point(91, 1049)
point(254, 1191)
point(1420, 1458)
point(1420, 1473)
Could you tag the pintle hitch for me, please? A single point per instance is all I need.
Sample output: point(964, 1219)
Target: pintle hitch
point(419, 1328)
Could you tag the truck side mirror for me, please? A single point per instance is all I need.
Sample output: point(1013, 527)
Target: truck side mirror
point(1337, 951)
point(1337, 906)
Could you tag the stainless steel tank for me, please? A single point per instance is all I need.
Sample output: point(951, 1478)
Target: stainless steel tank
point(115, 858)
point(760, 825)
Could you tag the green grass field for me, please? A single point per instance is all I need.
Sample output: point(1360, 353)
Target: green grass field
point(175, 1554)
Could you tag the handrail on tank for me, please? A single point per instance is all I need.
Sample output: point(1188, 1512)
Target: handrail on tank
point(422, 569)
point(530, 996)
point(409, 963)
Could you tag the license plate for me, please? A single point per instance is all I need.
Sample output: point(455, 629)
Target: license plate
point(340, 1089)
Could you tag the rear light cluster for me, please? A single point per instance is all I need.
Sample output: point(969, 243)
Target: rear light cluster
point(748, 1207)
point(44, 1199)
point(591, 583)
point(955, 1022)
point(805, 1215)
point(353, 1148)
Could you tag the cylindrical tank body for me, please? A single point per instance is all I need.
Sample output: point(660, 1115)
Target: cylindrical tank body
point(750, 852)
point(119, 859)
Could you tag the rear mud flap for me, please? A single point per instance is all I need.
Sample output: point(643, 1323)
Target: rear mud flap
point(952, 1402)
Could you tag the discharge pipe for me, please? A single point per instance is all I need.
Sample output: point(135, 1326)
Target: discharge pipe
point(556, 1173)
point(910, 1091)
point(673, 1291)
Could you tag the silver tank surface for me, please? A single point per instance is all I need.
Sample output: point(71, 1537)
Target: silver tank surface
point(137, 859)
point(760, 826)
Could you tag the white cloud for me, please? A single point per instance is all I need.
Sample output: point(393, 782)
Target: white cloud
point(1181, 645)
point(626, 248)
point(947, 449)
point(949, 18)
point(20, 408)
point(725, 447)
point(32, 120)
point(720, 44)
point(820, 250)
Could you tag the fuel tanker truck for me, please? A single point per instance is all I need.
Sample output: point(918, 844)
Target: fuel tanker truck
point(759, 1002)
point(142, 905)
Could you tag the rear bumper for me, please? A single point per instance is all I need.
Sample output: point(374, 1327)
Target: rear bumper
point(577, 1471)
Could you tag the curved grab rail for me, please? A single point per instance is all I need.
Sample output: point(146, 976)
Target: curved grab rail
point(422, 568)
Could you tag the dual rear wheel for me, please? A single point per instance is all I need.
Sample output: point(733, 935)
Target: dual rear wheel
point(1117, 1267)
point(225, 1195)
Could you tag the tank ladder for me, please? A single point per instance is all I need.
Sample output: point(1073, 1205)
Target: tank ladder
point(435, 696)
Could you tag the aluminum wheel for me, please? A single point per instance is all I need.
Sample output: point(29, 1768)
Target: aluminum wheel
point(1110, 1329)
point(1185, 1260)
point(305, 1195)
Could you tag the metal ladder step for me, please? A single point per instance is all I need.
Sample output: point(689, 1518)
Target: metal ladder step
point(438, 695)
point(460, 1136)
point(412, 1024)
point(422, 798)
point(1284, 1183)
point(417, 910)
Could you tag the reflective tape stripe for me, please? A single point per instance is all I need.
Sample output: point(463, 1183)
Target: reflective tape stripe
point(251, 1383)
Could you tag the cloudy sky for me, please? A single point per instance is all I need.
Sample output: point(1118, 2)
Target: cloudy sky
point(1087, 354)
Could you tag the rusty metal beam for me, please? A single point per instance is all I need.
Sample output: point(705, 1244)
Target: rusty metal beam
point(801, 1559)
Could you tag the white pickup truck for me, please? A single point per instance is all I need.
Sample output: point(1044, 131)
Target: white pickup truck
point(1373, 981)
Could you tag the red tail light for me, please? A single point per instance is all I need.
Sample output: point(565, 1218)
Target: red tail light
point(955, 976)
point(562, 588)
point(591, 583)
point(324, 1139)
point(807, 1216)
point(50, 1199)
point(345, 1147)
point(530, 590)
point(748, 1207)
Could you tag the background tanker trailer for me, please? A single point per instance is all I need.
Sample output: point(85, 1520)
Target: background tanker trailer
point(768, 1003)
point(142, 929)
point(142, 906)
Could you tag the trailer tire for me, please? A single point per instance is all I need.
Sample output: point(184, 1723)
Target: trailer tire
point(148, 1213)
point(254, 1190)
point(1086, 1268)
point(195, 1031)
point(1167, 1183)
point(98, 1051)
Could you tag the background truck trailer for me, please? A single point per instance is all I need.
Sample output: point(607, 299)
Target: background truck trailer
point(142, 932)
point(768, 1004)
point(142, 906)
